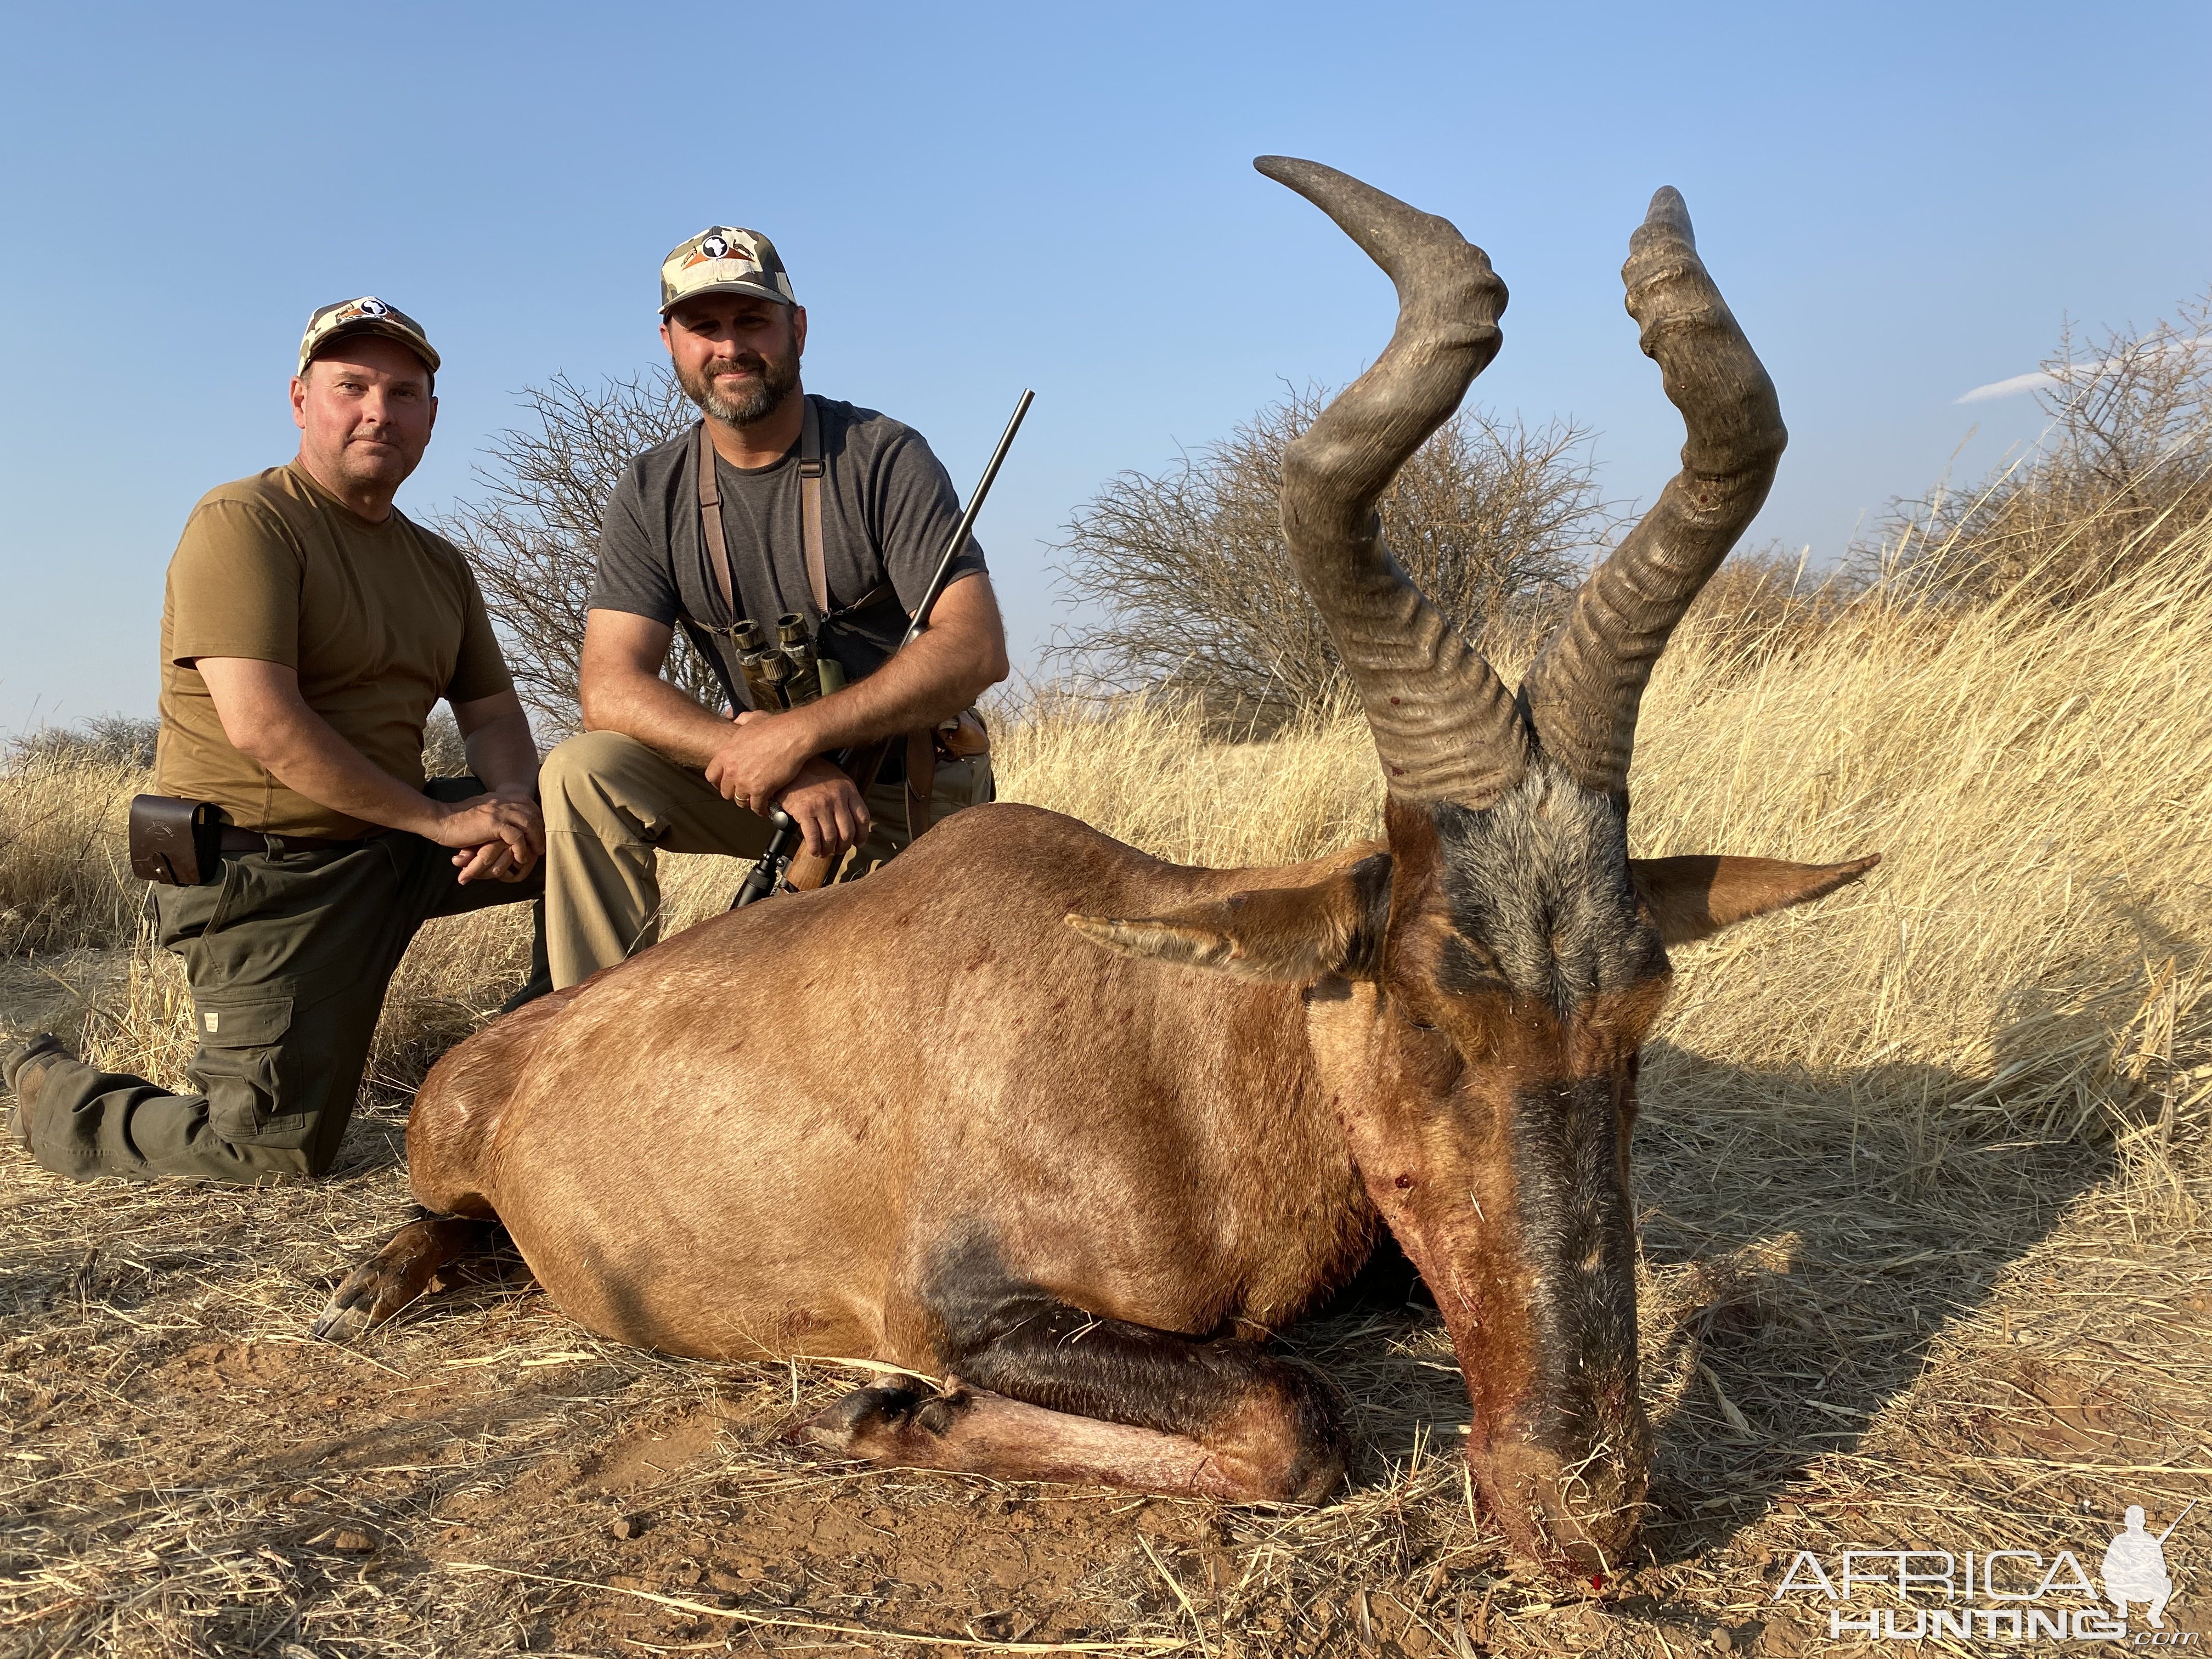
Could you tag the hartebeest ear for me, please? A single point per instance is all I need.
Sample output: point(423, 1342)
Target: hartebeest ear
point(1300, 934)
point(1692, 898)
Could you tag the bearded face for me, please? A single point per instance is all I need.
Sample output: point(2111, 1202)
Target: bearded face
point(737, 370)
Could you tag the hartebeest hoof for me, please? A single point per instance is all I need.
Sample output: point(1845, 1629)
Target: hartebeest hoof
point(870, 1423)
point(396, 1275)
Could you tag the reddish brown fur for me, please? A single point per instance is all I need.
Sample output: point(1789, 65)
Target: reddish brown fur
point(749, 1141)
point(795, 1140)
point(1688, 898)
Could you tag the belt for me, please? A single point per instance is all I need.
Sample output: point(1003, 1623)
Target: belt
point(235, 840)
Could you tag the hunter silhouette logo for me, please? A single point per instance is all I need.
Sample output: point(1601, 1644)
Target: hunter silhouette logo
point(2134, 1567)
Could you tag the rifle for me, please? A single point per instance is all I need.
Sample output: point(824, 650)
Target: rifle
point(861, 762)
point(2176, 1521)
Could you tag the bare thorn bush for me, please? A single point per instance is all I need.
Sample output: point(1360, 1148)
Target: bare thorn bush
point(444, 754)
point(533, 535)
point(2124, 467)
point(1191, 587)
point(127, 739)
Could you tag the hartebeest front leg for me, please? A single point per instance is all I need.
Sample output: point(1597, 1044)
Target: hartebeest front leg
point(411, 1259)
point(1039, 1390)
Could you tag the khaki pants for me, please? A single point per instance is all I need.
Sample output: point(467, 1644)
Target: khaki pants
point(611, 803)
point(289, 956)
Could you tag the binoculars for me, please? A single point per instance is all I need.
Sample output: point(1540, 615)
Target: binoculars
point(787, 673)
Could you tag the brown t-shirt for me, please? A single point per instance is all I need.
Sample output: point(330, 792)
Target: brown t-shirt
point(379, 621)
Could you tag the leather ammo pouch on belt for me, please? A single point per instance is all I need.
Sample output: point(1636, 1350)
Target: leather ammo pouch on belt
point(963, 737)
point(177, 842)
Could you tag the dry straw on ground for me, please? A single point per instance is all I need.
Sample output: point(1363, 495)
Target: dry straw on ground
point(1927, 1259)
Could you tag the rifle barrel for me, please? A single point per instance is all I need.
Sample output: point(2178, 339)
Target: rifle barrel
point(2177, 1521)
point(967, 525)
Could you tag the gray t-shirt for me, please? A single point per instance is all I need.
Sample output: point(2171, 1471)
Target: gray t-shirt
point(888, 510)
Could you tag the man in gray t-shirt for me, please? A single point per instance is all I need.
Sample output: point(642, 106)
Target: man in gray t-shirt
point(652, 769)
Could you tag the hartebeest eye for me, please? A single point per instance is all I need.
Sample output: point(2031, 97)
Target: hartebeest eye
point(1424, 1048)
point(1411, 1011)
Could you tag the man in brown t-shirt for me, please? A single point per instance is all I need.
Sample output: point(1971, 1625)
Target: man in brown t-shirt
point(308, 631)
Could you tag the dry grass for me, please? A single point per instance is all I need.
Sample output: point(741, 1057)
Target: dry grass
point(1927, 1258)
point(64, 874)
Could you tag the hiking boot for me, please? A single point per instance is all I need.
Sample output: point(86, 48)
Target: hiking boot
point(20, 1068)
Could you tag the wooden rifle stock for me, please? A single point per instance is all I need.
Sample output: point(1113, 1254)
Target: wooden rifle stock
point(808, 871)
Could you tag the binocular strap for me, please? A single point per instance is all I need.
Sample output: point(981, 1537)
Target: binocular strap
point(810, 512)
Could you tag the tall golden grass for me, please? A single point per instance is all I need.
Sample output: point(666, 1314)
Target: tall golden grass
point(64, 874)
point(2035, 780)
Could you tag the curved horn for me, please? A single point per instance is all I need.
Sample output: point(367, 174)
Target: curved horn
point(1445, 727)
point(1583, 690)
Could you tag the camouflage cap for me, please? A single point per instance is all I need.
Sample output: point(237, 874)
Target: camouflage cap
point(724, 260)
point(367, 315)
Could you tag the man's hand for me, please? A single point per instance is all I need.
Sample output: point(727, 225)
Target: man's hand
point(493, 860)
point(767, 760)
point(500, 835)
point(761, 757)
point(827, 808)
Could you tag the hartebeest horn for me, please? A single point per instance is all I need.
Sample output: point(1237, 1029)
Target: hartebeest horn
point(1445, 727)
point(1583, 690)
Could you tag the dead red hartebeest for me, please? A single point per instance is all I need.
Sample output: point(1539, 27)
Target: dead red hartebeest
point(1070, 1129)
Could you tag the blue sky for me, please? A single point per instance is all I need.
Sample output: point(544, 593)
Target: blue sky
point(1901, 202)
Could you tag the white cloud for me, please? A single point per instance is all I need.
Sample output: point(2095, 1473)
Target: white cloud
point(2043, 378)
point(2011, 388)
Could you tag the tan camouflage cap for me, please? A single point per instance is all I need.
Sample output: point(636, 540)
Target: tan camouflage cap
point(367, 315)
point(724, 260)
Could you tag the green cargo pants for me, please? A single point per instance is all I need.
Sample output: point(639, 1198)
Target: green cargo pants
point(288, 956)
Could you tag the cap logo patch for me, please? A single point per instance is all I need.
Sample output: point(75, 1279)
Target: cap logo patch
point(736, 256)
point(368, 306)
point(716, 246)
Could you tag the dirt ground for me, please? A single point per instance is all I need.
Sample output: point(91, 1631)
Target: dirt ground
point(1837, 1349)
